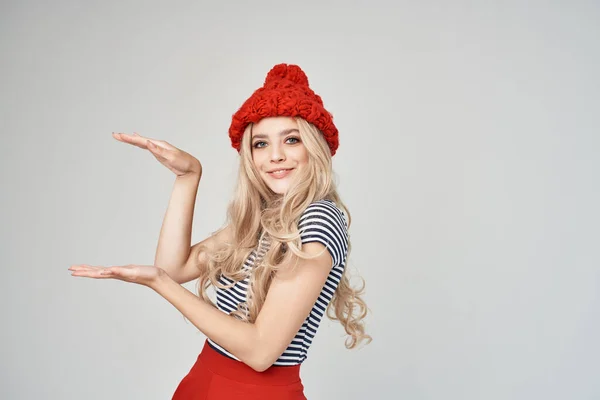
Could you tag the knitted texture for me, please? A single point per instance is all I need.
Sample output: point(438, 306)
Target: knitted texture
point(285, 93)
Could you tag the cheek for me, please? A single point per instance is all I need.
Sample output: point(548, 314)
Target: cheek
point(303, 156)
point(256, 159)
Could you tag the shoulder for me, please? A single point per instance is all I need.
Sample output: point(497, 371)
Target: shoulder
point(324, 222)
point(324, 211)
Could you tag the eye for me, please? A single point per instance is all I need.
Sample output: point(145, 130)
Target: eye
point(258, 145)
point(294, 140)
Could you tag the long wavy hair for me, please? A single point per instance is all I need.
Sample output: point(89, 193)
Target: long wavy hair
point(257, 215)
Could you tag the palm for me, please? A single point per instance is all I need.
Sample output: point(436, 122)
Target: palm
point(140, 274)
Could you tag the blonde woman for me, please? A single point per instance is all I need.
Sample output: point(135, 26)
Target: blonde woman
point(279, 263)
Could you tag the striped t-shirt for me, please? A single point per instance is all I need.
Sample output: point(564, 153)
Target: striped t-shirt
point(323, 222)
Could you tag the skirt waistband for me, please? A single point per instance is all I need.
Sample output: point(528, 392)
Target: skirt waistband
point(238, 371)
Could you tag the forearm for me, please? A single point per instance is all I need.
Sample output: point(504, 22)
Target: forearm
point(174, 241)
point(238, 337)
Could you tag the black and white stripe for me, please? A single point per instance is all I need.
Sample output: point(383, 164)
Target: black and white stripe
point(321, 222)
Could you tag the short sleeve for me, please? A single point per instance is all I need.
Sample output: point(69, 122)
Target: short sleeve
point(324, 222)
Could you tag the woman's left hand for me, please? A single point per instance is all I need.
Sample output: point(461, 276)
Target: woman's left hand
point(145, 275)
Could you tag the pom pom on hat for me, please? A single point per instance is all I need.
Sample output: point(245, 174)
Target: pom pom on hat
point(291, 73)
point(286, 92)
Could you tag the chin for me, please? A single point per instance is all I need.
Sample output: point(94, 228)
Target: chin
point(278, 190)
point(277, 186)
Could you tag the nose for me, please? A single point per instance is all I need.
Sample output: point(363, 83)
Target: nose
point(277, 154)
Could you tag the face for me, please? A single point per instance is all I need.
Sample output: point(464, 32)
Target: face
point(277, 151)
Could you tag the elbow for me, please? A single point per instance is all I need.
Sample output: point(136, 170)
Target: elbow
point(261, 352)
point(261, 360)
point(260, 367)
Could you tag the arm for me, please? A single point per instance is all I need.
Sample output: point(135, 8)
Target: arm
point(291, 296)
point(174, 254)
point(196, 261)
point(173, 249)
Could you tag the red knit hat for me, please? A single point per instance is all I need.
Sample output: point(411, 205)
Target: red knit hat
point(285, 93)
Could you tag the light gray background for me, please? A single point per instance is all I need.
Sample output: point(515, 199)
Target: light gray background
point(468, 158)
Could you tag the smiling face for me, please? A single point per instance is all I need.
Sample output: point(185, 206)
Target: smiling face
point(277, 151)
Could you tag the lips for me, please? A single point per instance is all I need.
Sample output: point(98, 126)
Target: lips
point(280, 173)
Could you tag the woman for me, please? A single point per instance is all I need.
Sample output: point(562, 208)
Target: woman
point(278, 263)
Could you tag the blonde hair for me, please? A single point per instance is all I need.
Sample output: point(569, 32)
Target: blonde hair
point(256, 214)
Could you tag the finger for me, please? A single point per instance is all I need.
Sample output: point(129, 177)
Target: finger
point(159, 143)
point(142, 141)
point(111, 271)
point(153, 147)
point(83, 267)
point(96, 274)
point(135, 140)
point(128, 139)
point(161, 154)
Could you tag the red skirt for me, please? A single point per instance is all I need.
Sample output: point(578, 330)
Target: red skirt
point(215, 376)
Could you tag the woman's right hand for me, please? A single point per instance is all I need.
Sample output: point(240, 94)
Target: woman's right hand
point(178, 161)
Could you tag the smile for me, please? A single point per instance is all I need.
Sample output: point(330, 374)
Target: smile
point(280, 173)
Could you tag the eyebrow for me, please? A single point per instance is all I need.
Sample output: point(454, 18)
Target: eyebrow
point(282, 133)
